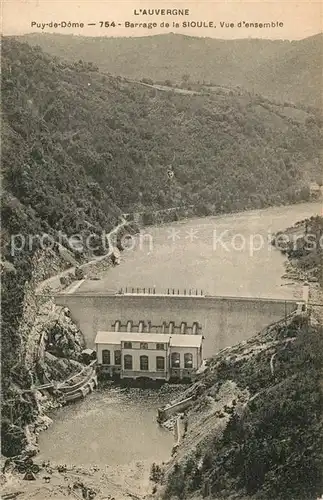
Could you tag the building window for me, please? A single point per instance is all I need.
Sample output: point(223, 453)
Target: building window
point(127, 362)
point(143, 345)
point(175, 359)
point(160, 347)
point(105, 357)
point(117, 357)
point(117, 326)
point(171, 327)
point(160, 363)
point(188, 360)
point(127, 345)
point(129, 326)
point(144, 365)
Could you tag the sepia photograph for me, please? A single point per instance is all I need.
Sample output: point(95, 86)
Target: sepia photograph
point(161, 250)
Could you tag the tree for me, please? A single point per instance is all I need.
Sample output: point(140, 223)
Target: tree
point(185, 78)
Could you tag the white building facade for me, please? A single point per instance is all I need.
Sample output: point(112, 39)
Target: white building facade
point(155, 356)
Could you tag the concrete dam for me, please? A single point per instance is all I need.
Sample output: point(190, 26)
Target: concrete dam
point(223, 321)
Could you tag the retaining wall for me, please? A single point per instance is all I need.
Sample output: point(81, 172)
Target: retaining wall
point(167, 411)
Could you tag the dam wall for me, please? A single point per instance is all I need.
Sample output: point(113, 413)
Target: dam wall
point(224, 320)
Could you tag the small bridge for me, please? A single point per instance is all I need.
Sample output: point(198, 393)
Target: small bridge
point(41, 387)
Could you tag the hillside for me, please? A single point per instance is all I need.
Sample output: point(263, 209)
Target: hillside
point(279, 69)
point(255, 428)
point(103, 131)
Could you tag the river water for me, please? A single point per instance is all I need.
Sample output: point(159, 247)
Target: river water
point(112, 426)
point(115, 427)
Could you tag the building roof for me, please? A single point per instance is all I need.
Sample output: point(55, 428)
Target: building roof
point(88, 351)
point(173, 340)
point(117, 337)
point(186, 340)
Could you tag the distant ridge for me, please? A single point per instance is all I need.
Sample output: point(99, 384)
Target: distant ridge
point(280, 69)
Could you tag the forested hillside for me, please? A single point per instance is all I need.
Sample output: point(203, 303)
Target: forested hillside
point(77, 143)
point(279, 69)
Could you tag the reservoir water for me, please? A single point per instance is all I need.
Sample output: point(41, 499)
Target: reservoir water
point(118, 428)
point(225, 255)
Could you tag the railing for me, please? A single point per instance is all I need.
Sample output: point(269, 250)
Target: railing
point(152, 291)
point(145, 374)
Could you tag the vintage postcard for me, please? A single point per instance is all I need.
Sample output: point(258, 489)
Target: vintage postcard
point(162, 243)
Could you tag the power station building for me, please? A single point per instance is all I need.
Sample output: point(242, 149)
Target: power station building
point(157, 356)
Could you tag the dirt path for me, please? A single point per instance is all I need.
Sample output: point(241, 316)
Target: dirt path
point(166, 88)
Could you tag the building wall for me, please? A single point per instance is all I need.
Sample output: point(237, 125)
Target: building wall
point(151, 353)
point(224, 320)
point(111, 348)
point(184, 350)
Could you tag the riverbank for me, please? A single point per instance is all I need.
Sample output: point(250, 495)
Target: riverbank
point(58, 482)
point(302, 245)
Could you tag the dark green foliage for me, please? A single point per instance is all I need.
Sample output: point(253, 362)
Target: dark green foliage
point(156, 473)
point(147, 218)
point(75, 147)
point(13, 445)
